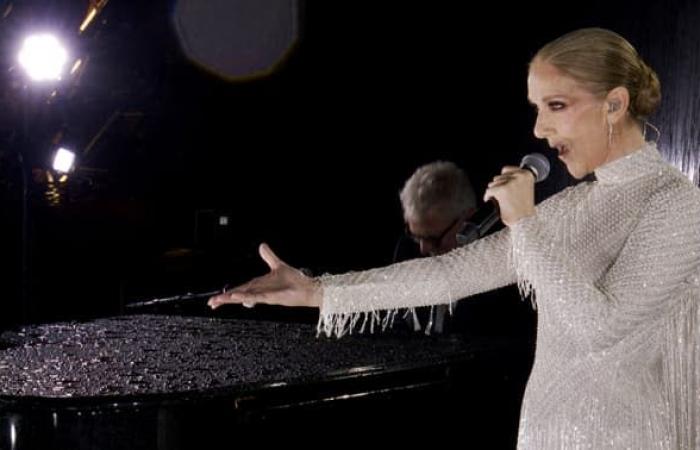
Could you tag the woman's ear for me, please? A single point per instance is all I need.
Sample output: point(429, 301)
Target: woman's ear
point(617, 102)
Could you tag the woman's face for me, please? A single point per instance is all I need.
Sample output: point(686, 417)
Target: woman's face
point(572, 119)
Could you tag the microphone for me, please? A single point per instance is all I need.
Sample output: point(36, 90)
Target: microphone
point(487, 216)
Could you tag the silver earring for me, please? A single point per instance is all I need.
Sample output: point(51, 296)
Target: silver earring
point(656, 130)
point(610, 133)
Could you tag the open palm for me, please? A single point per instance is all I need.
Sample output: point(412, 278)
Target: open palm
point(283, 285)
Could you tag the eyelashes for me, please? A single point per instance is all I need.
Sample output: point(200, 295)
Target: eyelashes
point(551, 106)
point(556, 106)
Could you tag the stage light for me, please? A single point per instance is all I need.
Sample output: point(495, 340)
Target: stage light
point(76, 66)
point(43, 57)
point(88, 18)
point(95, 7)
point(63, 160)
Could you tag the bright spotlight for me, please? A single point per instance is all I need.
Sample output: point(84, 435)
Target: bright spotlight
point(63, 161)
point(43, 57)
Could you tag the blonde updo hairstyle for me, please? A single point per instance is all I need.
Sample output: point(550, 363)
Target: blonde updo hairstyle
point(602, 60)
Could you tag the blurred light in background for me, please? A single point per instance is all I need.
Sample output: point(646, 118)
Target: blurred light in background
point(92, 12)
point(237, 39)
point(63, 160)
point(43, 57)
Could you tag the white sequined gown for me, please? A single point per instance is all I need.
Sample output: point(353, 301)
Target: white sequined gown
point(613, 267)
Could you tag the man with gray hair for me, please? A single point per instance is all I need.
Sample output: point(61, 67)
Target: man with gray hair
point(437, 202)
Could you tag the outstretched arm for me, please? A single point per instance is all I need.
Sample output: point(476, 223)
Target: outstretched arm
point(283, 285)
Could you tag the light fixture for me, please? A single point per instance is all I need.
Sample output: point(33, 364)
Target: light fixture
point(95, 7)
point(63, 160)
point(43, 57)
point(88, 18)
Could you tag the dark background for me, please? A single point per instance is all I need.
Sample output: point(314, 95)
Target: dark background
point(309, 158)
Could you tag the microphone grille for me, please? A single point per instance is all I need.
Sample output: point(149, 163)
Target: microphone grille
point(538, 163)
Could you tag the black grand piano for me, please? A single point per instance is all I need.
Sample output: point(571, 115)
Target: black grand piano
point(175, 382)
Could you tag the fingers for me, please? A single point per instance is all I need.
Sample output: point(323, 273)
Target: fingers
point(508, 175)
point(488, 195)
point(247, 294)
point(247, 300)
point(500, 179)
point(239, 294)
point(269, 257)
point(257, 290)
point(215, 303)
point(218, 300)
point(509, 169)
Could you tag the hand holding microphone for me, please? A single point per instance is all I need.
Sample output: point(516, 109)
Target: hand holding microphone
point(534, 164)
point(514, 188)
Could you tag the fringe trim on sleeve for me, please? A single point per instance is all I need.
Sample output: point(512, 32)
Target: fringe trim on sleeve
point(681, 369)
point(340, 324)
point(525, 286)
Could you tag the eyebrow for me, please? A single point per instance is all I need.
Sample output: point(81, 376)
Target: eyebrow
point(549, 98)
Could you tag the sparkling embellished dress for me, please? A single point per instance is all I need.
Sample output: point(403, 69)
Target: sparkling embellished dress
point(613, 267)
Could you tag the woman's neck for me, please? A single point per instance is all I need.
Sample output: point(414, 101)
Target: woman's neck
point(627, 139)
